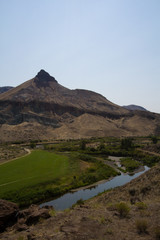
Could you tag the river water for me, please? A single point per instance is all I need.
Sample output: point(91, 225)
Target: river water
point(68, 199)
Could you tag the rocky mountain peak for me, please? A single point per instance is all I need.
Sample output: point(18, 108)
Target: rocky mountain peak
point(42, 78)
point(42, 74)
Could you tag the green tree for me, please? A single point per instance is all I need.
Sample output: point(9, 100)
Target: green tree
point(154, 139)
point(83, 145)
point(101, 146)
point(32, 144)
point(126, 143)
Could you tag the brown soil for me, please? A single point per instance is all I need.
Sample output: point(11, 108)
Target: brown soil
point(98, 218)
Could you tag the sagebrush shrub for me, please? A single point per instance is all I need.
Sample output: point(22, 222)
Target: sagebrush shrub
point(123, 209)
point(141, 205)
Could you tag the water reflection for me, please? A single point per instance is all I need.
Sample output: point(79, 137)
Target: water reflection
point(68, 199)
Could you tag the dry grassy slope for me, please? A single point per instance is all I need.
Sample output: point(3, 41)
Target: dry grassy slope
point(88, 125)
point(99, 219)
point(84, 126)
point(25, 131)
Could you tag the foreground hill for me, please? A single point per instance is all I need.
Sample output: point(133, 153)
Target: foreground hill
point(43, 109)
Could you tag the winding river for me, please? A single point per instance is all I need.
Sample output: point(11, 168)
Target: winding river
point(68, 199)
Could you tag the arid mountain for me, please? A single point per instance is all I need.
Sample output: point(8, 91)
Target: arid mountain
point(135, 107)
point(43, 109)
point(5, 89)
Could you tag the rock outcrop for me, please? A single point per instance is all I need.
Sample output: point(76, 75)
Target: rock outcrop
point(11, 215)
point(8, 214)
point(33, 214)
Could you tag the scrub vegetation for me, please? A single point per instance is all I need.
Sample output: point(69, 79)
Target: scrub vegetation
point(130, 164)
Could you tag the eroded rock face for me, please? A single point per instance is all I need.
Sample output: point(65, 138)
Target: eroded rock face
point(8, 214)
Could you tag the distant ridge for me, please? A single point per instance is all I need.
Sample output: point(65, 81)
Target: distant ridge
point(135, 107)
point(41, 108)
point(5, 89)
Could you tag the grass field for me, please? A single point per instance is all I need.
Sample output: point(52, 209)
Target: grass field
point(33, 169)
point(42, 175)
point(30, 173)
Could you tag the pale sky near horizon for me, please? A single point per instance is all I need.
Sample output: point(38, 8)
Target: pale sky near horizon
point(108, 46)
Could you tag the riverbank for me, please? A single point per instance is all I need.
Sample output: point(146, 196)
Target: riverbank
point(91, 185)
point(138, 170)
point(69, 199)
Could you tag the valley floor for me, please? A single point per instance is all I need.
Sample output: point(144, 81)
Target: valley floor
point(101, 218)
point(124, 213)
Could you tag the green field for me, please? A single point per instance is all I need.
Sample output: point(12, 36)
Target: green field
point(40, 169)
point(42, 175)
point(32, 169)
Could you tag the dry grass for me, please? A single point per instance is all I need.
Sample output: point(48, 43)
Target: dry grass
point(141, 225)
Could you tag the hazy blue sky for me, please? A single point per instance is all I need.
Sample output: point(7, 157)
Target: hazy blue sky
point(108, 46)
